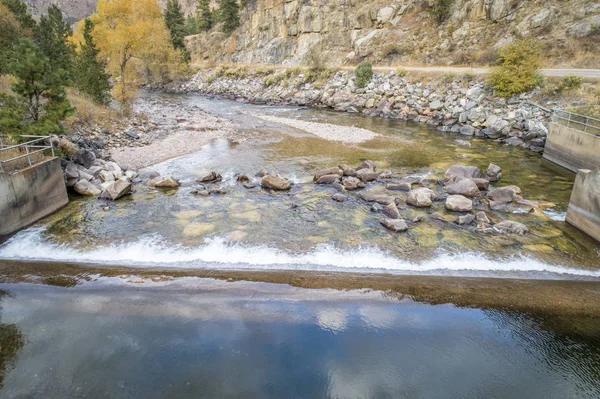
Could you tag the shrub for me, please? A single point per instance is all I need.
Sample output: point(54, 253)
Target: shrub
point(571, 82)
point(518, 68)
point(364, 73)
point(440, 10)
point(448, 77)
point(314, 59)
point(401, 72)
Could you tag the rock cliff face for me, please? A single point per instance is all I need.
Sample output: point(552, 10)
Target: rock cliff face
point(387, 31)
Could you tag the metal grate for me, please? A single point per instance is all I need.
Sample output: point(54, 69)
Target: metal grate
point(12, 154)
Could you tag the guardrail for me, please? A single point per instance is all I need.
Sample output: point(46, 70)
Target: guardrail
point(31, 147)
point(584, 123)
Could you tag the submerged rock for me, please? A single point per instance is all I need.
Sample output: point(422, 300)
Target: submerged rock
point(465, 219)
point(511, 227)
point(391, 211)
point(395, 225)
point(339, 197)
point(458, 203)
point(406, 187)
point(420, 197)
point(275, 183)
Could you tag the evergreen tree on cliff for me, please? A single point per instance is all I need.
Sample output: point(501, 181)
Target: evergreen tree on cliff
point(175, 21)
point(228, 14)
point(52, 37)
point(39, 102)
point(204, 15)
point(15, 22)
point(90, 69)
point(19, 10)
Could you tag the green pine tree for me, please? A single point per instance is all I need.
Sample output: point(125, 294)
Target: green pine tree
point(19, 9)
point(52, 37)
point(204, 15)
point(229, 14)
point(191, 27)
point(175, 21)
point(90, 70)
point(40, 102)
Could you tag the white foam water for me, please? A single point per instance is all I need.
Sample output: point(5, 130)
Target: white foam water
point(223, 254)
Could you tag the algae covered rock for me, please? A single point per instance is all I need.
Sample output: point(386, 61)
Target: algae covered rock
point(395, 225)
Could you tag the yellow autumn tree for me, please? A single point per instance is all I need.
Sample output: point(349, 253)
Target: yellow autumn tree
point(133, 37)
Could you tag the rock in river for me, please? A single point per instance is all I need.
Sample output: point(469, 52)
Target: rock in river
point(462, 171)
point(420, 197)
point(367, 175)
point(395, 225)
point(464, 187)
point(84, 187)
point(352, 183)
point(458, 203)
point(367, 165)
point(164, 182)
point(325, 172)
point(339, 197)
point(347, 170)
point(493, 172)
point(116, 190)
point(391, 211)
point(510, 227)
point(399, 187)
point(212, 177)
point(328, 179)
point(275, 183)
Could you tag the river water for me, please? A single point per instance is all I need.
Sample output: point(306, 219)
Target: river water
point(122, 335)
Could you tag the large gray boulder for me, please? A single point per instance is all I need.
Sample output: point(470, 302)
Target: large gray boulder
point(493, 172)
point(275, 183)
point(503, 194)
point(116, 190)
point(84, 187)
point(420, 197)
point(458, 203)
point(461, 186)
point(463, 171)
point(367, 175)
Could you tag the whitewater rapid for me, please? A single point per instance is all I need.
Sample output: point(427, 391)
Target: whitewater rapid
point(220, 253)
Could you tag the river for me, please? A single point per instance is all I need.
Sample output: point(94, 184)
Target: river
point(126, 308)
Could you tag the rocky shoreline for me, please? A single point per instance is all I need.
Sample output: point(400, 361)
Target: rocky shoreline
point(459, 105)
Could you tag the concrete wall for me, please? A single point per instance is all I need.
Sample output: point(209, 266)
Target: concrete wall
point(584, 207)
point(572, 148)
point(29, 195)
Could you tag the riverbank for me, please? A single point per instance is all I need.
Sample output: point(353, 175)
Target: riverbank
point(543, 297)
point(461, 105)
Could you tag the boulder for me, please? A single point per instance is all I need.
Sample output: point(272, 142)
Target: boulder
point(347, 170)
point(367, 196)
point(352, 183)
point(493, 172)
point(391, 211)
point(482, 184)
point(339, 187)
point(406, 187)
point(328, 179)
point(420, 197)
point(275, 183)
point(510, 227)
point(339, 197)
point(462, 171)
point(84, 187)
point(463, 186)
point(467, 130)
point(116, 190)
point(367, 175)
point(71, 171)
point(482, 217)
point(106, 176)
point(242, 179)
point(458, 203)
point(212, 177)
point(367, 165)
point(503, 194)
point(395, 225)
point(465, 219)
point(163, 182)
point(325, 172)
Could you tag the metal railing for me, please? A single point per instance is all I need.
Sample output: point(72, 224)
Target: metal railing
point(584, 123)
point(31, 147)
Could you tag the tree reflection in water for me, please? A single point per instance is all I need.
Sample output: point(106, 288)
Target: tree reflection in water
point(11, 342)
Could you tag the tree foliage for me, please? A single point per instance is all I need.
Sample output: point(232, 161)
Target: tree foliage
point(518, 68)
point(52, 35)
point(39, 102)
point(191, 26)
point(19, 10)
point(204, 15)
point(440, 10)
point(90, 69)
point(134, 39)
point(364, 73)
point(15, 22)
point(229, 15)
point(175, 21)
